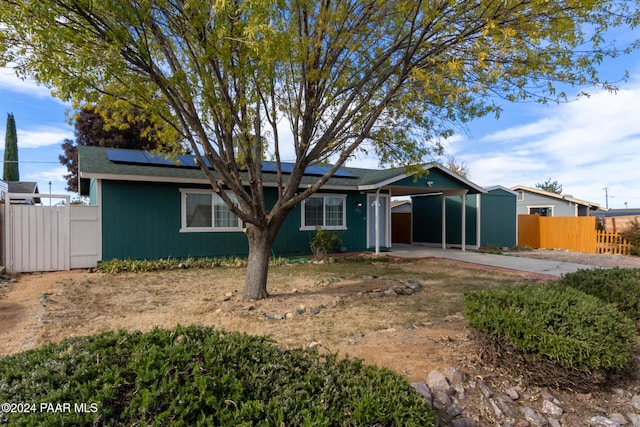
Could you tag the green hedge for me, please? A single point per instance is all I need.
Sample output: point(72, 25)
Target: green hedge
point(199, 376)
point(556, 322)
point(618, 286)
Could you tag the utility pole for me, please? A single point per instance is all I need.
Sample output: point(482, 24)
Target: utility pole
point(606, 197)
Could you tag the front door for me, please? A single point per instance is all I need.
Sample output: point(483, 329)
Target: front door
point(383, 221)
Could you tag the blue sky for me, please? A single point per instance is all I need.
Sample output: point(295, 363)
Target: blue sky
point(586, 145)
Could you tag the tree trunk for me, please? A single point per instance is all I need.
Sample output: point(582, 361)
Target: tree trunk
point(260, 242)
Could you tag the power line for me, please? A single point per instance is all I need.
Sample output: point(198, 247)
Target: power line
point(27, 161)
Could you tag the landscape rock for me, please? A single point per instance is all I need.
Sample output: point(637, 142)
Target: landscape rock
point(463, 422)
point(551, 408)
point(512, 392)
point(618, 418)
point(424, 390)
point(554, 422)
point(600, 421)
point(438, 382)
point(443, 398)
point(534, 416)
point(454, 376)
point(634, 419)
point(484, 389)
point(635, 401)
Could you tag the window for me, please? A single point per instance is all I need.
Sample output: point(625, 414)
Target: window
point(324, 211)
point(541, 210)
point(203, 210)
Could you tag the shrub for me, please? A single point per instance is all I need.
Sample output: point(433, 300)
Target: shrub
point(324, 242)
point(200, 376)
point(115, 266)
point(618, 286)
point(554, 322)
point(632, 234)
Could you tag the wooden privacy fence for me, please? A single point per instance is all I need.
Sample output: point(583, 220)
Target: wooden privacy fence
point(576, 234)
point(48, 238)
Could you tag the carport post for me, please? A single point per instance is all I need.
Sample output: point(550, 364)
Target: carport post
point(444, 221)
point(464, 221)
point(377, 220)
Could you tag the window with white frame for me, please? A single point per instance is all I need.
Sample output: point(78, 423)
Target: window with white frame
point(541, 210)
point(204, 210)
point(324, 211)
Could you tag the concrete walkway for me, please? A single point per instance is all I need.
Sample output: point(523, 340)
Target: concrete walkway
point(539, 266)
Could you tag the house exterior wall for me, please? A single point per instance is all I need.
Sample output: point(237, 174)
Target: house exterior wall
point(142, 220)
point(431, 180)
point(427, 220)
point(498, 219)
point(527, 200)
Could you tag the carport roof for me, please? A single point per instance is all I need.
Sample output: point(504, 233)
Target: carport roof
point(99, 163)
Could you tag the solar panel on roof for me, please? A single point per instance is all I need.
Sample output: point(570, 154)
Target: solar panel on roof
point(321, 170)
point(127, 156)
point(188, 161)
point(271, 167)
point(159, 160)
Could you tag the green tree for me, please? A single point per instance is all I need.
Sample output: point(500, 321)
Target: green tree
point(550, 186)
point(91, 129)
point(10, 171)
point(390, 77)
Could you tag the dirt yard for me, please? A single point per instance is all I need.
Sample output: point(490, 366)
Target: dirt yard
point(369, 310)
point(340, 307)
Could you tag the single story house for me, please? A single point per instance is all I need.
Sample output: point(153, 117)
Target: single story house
point(152, 208)
point(617, 220)
point(25, 188)
point(544, 203)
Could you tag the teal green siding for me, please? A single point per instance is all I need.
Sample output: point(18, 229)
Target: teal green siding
point(291, 240)
point(427, 220)
point(434, 179)
point(498, 219)
point(142, 221)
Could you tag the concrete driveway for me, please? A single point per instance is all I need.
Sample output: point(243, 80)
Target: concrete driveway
point(520, 263)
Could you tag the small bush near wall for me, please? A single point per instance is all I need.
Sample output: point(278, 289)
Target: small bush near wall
point(200, 376)
point(618, 286)
point(632, 234)
point(558, 324)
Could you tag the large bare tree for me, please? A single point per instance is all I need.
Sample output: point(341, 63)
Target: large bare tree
point(383, 76)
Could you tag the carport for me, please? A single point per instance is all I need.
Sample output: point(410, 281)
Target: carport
point(435, 181)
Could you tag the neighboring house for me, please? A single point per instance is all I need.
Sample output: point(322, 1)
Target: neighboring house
point(151, 208)
point(617, 220)
point(20, 187)
point(544, 203)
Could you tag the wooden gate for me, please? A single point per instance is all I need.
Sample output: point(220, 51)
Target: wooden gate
point(44, 238)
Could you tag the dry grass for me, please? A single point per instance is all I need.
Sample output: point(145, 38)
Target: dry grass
point(332, 306)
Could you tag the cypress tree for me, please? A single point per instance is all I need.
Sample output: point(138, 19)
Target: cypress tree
point(11, 151)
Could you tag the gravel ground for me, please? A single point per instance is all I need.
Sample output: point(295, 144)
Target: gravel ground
point(599, 260)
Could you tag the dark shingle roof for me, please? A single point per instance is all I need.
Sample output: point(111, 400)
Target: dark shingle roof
point(94, 162)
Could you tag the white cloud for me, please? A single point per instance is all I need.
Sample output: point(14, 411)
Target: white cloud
point(43, 136)
point(11, 82)
point(40, 136)
point(585, 145)
point(54, 175)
